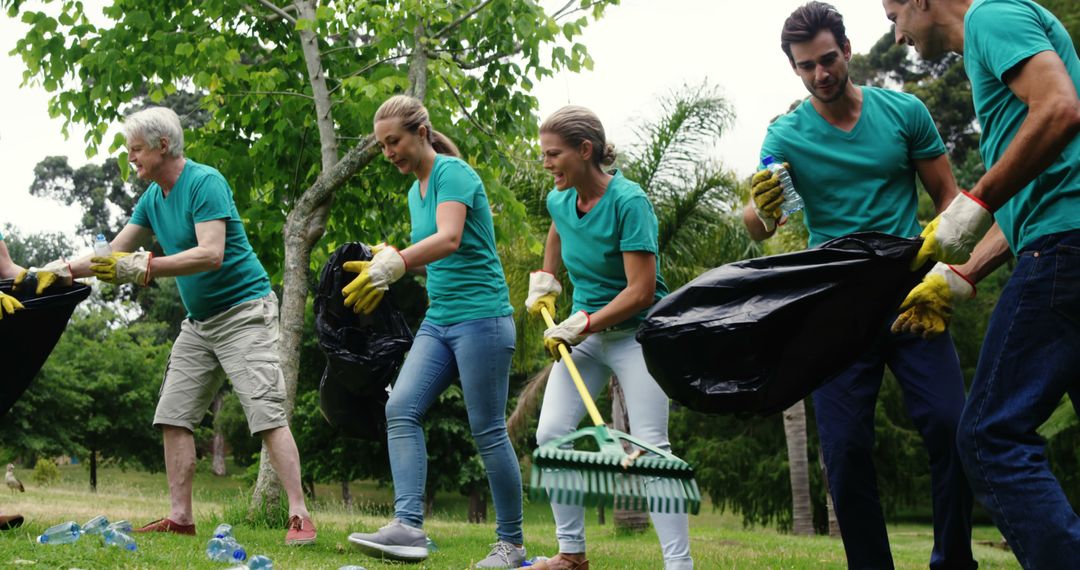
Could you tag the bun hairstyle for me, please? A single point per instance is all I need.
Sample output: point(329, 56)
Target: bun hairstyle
point(413, 115)
point(575, 125)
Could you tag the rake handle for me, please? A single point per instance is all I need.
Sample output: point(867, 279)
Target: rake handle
point(575, 375)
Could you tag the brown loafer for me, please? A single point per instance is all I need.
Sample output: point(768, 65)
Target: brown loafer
point(167, 525)
point(560, 562)
point(8, 522)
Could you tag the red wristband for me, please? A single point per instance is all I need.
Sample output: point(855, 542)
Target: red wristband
point(965, 278)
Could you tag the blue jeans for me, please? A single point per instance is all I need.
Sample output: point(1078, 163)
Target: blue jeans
point(929, 374)
point(1030, 359)
point(479, 352)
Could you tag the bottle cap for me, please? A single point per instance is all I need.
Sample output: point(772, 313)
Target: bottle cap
point(767, 160)
point(100, 237)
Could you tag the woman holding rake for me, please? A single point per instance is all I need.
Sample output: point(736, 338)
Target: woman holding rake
point(605, 232)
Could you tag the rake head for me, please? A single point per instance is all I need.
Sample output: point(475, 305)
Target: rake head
point(650, 479)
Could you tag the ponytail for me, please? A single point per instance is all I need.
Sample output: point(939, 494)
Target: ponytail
point(413, 115)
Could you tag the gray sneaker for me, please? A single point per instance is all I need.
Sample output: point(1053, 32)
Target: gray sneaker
point(396, 541)
point(503, 555)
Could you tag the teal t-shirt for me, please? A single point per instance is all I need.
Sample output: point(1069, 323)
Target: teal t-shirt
point(862, 180)
point(999, 35)
point(469, 283)
point(202, 195)
point(593, 244)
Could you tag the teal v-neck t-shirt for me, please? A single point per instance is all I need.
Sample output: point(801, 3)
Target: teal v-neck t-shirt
point(863, 179)
point(998, 36)
point(202, 195)
point(593, 245)
point(469, 283)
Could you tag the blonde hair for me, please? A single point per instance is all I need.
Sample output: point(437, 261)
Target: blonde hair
point(413, 115)
point(153, 124)
point(575, 125)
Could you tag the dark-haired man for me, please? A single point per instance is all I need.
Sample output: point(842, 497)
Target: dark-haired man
point(854, 153)
point(1025, 75)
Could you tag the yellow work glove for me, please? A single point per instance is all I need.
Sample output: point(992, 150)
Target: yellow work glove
point(766, 195)
point(122, 267)
point(55, 272)
point(544, 288)
point(570, 332)
point(929, 306)
point(8, 305)
point(365, 292)
point(950, 237)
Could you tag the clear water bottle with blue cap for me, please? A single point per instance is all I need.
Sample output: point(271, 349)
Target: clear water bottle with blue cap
point(225, 550)
point(96, 525)
point(121, 526)
point(223, 530)
point(792, 201)
point(63, 533)
point(101, 247)
point(119, 539)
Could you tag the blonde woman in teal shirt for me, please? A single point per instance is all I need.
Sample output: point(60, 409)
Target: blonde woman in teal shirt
point(605, 232)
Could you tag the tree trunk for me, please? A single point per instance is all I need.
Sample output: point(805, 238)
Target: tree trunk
point(217, 444)
point(429, 501)
point(93, 471)
point(798, 469)
point(625, 519)
point(601, 515)
point(834, 525)
point(346, 494)
point(478, 506)
point(308, 485)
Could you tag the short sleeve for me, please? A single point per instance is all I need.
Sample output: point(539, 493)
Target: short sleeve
point(924, 140)
point(638, 227)
point(458, 183)
point(139, 216)
point(211, 200)
point(772, 146)
point(1003, 35)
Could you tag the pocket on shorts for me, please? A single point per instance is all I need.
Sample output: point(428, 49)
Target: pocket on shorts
point(267, 379)
point(1065, 298)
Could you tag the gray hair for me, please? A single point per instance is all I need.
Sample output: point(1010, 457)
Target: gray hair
point(153, 124)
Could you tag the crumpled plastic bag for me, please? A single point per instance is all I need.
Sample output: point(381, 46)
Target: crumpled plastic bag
point(756, 336)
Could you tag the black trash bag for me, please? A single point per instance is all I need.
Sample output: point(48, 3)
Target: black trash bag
point(756, 336)
point(28, 336)
point(363, 352)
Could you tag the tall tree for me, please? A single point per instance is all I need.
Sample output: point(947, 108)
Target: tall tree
point(291, 91)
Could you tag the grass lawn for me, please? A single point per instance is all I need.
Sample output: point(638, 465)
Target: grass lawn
point(718, 541)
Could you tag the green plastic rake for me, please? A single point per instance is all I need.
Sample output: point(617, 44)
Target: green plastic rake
point(648, 478)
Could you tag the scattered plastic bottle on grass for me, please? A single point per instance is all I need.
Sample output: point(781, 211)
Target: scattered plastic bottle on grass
point(260, 562)
point(351, 567)
point(64, 533)
point(96, 525)
point(121, 526)
point(532, 561)
point(223, 530)
point(792, 201)
point(119, 539)
point(225, 550)
point(101, 247)
point(431, 546)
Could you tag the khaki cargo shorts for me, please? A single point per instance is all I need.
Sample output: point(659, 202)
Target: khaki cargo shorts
point(242, 341)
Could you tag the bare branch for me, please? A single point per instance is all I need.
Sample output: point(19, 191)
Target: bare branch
point(287, 93)
point(560, 11)
point(281, 13)
point(487, 59)
point(449, 27)
point(364, 69)
point(465, 110)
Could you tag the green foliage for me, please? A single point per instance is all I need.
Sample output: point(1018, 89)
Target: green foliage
point(232, 423)
point(35, 250)
point(45, 472)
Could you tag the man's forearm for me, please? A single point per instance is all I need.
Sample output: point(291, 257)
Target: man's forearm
point(189, 262)
point(989, 254)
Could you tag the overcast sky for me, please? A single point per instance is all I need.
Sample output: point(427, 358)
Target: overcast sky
point(642, 49)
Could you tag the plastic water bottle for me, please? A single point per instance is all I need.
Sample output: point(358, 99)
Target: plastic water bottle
point(431, 546)
point(260, 562)
point(95, 525)
point(223, 530)
point(64, 533)
point(102, 247)
point(792, 201)
point(533, 561)
point(121, 526)
point(225, 550)
point(120, 539)
point(351, 567)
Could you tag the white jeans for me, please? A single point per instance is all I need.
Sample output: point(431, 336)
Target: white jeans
point(597, 358)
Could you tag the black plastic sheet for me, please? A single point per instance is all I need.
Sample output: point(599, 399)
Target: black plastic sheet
point(363, 352)
point(28, 336)
point(756, 336)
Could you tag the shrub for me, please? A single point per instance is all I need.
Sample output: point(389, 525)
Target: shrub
point(45, 472)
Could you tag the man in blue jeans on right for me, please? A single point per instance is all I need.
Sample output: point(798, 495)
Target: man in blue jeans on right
point(1025, 75)
point(854, 154)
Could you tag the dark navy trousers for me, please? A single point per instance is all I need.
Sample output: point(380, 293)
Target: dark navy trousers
point(933, 387)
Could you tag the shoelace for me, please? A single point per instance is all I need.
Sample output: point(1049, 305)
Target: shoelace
point(503, 550)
